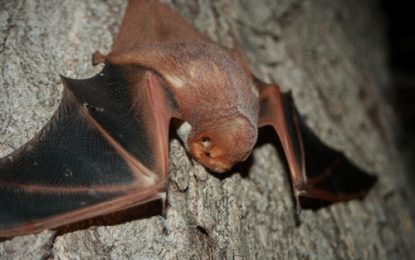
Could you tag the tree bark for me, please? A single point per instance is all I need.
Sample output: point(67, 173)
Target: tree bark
point(330, 54)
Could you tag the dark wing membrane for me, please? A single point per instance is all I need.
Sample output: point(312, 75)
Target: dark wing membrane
point(320, 175)
point(329, 175)
point(97, 149)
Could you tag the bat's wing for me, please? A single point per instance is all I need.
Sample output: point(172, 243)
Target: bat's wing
point(105, 149)
point(150, 22)
point(320, 174)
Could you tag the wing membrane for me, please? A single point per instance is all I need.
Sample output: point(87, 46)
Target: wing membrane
point(321, 175)
point(102, 145)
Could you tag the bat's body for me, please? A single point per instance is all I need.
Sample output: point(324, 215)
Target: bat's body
point(213, 94)
point(106, 148)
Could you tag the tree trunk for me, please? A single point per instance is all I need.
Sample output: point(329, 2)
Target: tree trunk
point(330, 54)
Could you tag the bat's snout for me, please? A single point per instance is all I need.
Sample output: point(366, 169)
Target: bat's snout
point(223, 144)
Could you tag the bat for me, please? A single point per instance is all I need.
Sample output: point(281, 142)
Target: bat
point(106, 147)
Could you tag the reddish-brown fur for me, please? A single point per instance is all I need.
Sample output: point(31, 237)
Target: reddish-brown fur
point(210, 86)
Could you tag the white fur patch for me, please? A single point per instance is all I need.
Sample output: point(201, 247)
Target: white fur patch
point(175, 81)
point(183, 132)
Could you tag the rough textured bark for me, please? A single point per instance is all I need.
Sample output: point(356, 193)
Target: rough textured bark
point(331, 54)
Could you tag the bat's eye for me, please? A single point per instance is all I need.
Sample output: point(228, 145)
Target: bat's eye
point(206, 143)
point(223, 144)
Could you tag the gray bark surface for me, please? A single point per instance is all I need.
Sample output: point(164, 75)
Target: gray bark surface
point(330, 54)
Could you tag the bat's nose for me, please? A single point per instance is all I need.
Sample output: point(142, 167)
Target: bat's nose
point(223, 144)
point(210, 155)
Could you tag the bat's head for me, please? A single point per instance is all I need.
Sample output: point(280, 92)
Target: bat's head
point(224, 143)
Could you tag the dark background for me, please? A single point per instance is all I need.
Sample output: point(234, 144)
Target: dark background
point(400, 17)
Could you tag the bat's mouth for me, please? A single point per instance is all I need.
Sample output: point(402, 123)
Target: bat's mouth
point(213, 159)
point(220, 146)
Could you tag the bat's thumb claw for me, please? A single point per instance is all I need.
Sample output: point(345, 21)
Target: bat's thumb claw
point(98, 58)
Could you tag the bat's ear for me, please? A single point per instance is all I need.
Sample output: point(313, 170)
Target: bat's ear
point(98, 58)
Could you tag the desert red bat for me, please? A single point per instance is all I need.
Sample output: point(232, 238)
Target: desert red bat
point(106, 147)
